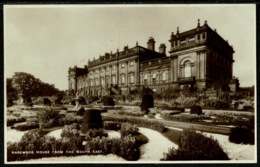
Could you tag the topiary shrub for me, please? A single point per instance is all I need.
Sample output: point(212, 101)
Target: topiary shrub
point(58, 100)
point(196, 110)
point(91, 120)
point(196, 146)
point(108, 101)
point(147, 102)
point(243, 135)
point(80, 111)
point(46, 101)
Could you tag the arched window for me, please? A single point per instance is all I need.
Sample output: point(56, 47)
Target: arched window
point(187, 69)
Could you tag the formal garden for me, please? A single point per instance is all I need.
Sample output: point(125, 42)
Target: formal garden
point(55, 126)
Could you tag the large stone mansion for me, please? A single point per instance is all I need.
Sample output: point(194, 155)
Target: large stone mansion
point(198, 58)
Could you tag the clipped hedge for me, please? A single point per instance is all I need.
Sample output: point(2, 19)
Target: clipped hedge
point(152, 124)
point(184, 117)
point(108, 101)
point(91, 120)
point(112, 125)
point(196, 146)
point(12, 120)
point(243, 135)
point(196, 110)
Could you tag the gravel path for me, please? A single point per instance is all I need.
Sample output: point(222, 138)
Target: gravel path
point(157, 145)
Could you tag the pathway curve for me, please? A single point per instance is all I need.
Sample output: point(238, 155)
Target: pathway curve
point(156, 146)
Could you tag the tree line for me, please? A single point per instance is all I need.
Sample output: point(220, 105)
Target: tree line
point(24, 85)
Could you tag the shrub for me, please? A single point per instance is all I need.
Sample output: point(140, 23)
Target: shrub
point(58, 99)
point(240, 135)
point(195, 146)
point(152, 124)
point(9, 102)
point(48, 117)
point(128, 129)
point(12, 120)
point(46, 101)
point(71, 138)
point(92, 133)
point(131, 113)
point(151, 115)
point(69, 119)
point(147, 102)
point(91, 120)
point(32, 141)
point(184, 117)
point(108, 101)
point(80, 111)
point(112, 125)
point(129, 148)
point(196, 110)
point(26, 126)
point(91, 99)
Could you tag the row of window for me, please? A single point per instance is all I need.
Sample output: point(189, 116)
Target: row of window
point(131, 63)
point(190, 39)
point(153, 76)
point(103, 81)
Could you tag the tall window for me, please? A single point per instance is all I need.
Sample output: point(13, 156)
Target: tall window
point(113, 79)
point(145, 78)
point(154, 77)
point(114, 67)
point(102, 82)
point(122, 79)
point(187, 69)
point(107, 80)
point(131, 78)
point(123, 65)
point(164, 76)
point(97, 82)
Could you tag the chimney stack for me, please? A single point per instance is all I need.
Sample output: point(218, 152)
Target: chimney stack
point(162, 48)
point(150, 44)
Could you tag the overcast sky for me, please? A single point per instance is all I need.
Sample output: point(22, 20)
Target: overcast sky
point(46, 40)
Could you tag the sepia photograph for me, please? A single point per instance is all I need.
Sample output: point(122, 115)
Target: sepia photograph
point(130, 83)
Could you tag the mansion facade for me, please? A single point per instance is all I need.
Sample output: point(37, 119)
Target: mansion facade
point(198, 58)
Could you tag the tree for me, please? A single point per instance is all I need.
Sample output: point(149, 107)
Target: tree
point(11, 92)
point(27, 86)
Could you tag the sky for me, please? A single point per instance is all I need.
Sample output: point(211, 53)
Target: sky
point(45, 40)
